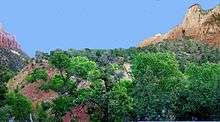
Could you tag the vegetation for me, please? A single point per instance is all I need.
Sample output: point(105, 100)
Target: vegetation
point(37, 74)
point(95, 90)
point(56, 83)
point(177, 80)
point(20, 106)
point(157, 81)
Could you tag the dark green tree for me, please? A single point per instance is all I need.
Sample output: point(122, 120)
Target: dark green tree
point(60, 60)
point(61, 105)
point(20, 105)
point(5, 74)
point(200, 97)
point(156, 81)
point(37, 74)
point(5, 113)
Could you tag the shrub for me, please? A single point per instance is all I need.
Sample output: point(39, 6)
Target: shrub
point(21, 106)
point(45, 86)
point(56, 83)
point(156, 80)
point(37, 74)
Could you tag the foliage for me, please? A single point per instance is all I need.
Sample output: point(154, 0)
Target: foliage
point(83, 68)
point(5, 113)
point(164, 86)
point(60, 60)
point(97, 91)
point(37, 74)
point(5, 74)
point(3, 91)
point(156, 80)
point(61, 105)
point(186, 51)
point(120, 103)
point(41, 114)
point(201, 96)
point(21, 106)
point(56, 83)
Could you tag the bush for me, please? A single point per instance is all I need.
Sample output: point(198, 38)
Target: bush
point(37, 74)
point(45, 86)
point(21, 106)
point(5, 74)
point(56, 83)
point(60, 106)
point(156, 80)
point(201, 96)
point(41, 114)
point(5, 113)
point(82, 67)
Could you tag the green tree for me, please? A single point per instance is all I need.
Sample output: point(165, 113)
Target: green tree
point(41, 114)
point(200, 97)
point(99, 92)
point(91, 87)
point(20, 105)
point(3, 91)
point(37, 74)
point(5, 74)
point(156, 80)
point(120, 102)
point(61, 105)
point(60, 60)
point(56, 83)
point(83, 68)
point(5, 112)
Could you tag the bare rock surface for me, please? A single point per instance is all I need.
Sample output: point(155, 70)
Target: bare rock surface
point(198, 24)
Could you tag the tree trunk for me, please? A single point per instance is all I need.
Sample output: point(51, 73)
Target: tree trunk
point(31, 119)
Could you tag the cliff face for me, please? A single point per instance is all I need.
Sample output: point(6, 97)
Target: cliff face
point(11, 54)
point(198, 24)
point(8, 41)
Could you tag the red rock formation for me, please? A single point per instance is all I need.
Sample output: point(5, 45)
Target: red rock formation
point(36, 95)
point(8, 41)
point(198, 24)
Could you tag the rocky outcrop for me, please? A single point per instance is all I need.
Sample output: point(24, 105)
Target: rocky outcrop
point(11, 54)
point(13, 59)
point(8, 41)
point(198, 24)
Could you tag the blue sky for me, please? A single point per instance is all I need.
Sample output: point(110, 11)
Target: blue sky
point(48, 24)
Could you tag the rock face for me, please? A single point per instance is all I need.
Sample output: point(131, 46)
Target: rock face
point(198, 24)
point(13, 59)
point(8, 41)
point(11, 54)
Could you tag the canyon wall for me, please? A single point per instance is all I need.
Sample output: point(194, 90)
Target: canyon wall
point(198, 24)
point(8, 41)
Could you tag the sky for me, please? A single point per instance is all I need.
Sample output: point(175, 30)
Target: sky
point(49, 24)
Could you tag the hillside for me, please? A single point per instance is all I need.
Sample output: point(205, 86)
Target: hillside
point(115, 64)
point(170, 77)
point(198, 24)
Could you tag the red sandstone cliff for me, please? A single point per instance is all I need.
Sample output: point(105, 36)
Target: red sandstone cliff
point(198, 24)
point(8, 41)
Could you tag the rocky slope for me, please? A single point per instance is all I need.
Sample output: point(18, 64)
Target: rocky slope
point(11, 54)
point(198, 24)
point(32, 90)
